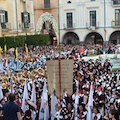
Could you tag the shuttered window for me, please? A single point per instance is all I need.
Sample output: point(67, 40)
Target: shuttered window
point(25, 16)
point(46, 3)
point(3, 16)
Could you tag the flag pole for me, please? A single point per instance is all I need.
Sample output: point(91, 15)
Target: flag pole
point(59, 53)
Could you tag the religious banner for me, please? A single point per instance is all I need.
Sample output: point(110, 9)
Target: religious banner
point(66, 69)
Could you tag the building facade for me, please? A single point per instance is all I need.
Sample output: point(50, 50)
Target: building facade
point(89, 21)
point(46, 17)
point(16, 17)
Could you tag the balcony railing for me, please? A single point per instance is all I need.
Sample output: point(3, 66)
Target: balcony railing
point(27, 26)
point(115, 23)
point(95, 26)
point(115, 2)
point(5, 26)
point(45, 6)
point(72, 26)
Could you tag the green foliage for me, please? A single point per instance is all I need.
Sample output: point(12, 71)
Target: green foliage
point(19, 41)
point(115, 69)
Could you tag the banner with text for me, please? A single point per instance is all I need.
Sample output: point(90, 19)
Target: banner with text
point(66, 76)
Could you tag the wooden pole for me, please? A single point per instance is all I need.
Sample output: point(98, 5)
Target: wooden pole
point(59, 72)
point(59, 52)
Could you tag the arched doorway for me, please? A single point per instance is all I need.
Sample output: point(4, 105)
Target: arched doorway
point(93, 38)
point(70, 38)
point(47, 25)
point(115, 37)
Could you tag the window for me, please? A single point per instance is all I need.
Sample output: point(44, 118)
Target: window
point(46, 3)
point(25, 19)
point(93, 18)
point(117, 17)
point(3, 18)
point(69, 20)
point(47, 25)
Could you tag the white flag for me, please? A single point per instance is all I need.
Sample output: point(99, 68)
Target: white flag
point(1, 93)
point(33, 99)
point(33, 96)
point(76, 104)
point(54, 102)
point(25, 97)
point(1, 66)
point(44, 110)
point(90, 104)
point(7, 66)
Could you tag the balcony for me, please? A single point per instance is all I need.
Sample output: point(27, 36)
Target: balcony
point(5, 26)
point(115, 23)
point(92, 27)
point(116, 2)
point(45, 6)
point(69, 27)
point(26, 26)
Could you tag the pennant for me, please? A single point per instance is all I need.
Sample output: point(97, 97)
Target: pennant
point(76, 104)
point(16, 52)
point(1, 66)
point(25, 97)
point(12, 64)
point(0, 53)
point(5, 49)
point(44, 105)
point(1, 93)
point(54, 102)
point(33, 96)
point(26, 49)
point(90, 104)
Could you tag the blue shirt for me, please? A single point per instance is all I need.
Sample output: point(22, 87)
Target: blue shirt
point(10, 110)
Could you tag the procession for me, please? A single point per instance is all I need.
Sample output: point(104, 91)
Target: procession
point(59, 59)
point(94, 84)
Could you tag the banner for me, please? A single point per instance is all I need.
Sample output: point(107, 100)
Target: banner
point(66, 76)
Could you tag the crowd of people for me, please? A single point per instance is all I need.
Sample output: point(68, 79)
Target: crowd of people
point(30, 70)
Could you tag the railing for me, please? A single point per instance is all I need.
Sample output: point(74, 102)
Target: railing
point(27, 26)
point(96, 25)
point(72, 26)
point(115, 23)
point(5, 26)
point(116, 2)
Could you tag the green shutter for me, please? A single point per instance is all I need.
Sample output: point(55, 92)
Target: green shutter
point(29, 17)
point(6, 16)
point(22, 17)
